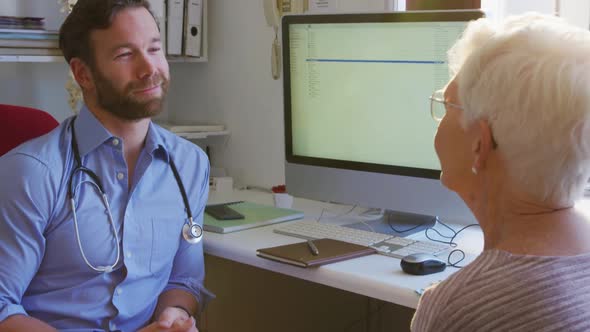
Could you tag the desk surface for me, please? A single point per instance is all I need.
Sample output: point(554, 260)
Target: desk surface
point(376, 276)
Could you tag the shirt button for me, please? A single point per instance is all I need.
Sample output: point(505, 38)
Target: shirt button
point(129, 254)
point(113, 326)
point(119, 291)
point(115, 141)
point(120, 176)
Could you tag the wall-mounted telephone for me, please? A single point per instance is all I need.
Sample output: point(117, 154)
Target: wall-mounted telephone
point(273, 11)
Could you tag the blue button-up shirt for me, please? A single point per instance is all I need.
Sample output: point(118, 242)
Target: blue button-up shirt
point(42, 271)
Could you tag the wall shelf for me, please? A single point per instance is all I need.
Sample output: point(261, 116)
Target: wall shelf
point(177, 59)
point(203, 134)
point(31, 58)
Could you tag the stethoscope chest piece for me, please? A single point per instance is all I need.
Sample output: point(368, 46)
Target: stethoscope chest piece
point(192, 233)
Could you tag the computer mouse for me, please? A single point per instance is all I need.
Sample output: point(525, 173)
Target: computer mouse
point(422, 264)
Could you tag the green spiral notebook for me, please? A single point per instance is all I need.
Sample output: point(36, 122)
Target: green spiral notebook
point(255, 215)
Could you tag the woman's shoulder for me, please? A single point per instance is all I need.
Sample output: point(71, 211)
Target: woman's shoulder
point(498, 283)
point(497, 266)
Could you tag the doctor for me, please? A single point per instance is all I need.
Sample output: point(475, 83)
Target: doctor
point(100, 220)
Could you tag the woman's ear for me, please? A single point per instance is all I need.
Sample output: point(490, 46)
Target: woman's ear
point(483, 144)
point(82, 74)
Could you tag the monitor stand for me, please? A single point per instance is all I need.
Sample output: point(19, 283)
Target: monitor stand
point(397, 223)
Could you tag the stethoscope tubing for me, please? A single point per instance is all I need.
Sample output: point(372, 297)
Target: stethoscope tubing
point(191, 231)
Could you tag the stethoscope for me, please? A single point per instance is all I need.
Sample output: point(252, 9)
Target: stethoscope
point(191, 231)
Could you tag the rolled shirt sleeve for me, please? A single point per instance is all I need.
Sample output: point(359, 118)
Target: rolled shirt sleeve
point(188, 272)
point(25, 202)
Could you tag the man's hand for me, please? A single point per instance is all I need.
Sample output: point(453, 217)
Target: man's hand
point(177, 320)
point(172, 320)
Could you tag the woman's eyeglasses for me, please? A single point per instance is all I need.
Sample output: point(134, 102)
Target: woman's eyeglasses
point(438, 109)
point(438, 105)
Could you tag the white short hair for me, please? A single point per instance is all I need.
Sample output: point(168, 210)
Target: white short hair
point(529, 77)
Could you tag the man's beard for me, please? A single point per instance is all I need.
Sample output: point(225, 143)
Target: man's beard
point(124, 104)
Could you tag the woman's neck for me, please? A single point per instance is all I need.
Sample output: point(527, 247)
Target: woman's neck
point(513, 221)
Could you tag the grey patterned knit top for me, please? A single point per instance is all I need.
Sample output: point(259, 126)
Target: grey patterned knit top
point(500, 291)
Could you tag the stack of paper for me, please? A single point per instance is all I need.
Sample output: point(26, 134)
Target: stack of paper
point(13, 22)
point(28, 38)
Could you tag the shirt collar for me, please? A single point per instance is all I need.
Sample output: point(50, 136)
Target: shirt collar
point(90, 134)
point(155, 143)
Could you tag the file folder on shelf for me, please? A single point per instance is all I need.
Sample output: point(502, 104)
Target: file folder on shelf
point(158, 8)
point(255, 215)
point(175, 27)
point(193, 27)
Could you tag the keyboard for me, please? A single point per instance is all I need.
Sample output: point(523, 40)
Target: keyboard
point(385, 244)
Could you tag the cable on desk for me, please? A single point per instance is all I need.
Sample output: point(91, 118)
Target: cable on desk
point(364, 222)
point(448, 227)
point(458, 261)
point(337, 216)
point(450, 242)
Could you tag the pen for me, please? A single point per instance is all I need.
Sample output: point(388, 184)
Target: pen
point(314, 250)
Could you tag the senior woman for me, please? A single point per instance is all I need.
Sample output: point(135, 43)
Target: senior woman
point(514, 144)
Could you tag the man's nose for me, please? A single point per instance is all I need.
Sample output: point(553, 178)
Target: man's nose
point(146, 67)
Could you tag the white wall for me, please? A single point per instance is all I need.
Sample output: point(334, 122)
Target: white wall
point(235, 87)
point(576, 12)
point(39, 85)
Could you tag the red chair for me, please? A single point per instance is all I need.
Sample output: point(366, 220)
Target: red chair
point(19, 124)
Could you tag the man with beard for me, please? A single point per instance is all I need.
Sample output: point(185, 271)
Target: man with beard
point(96, 227)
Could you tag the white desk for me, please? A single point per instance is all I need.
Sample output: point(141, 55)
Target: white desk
point(376, 276)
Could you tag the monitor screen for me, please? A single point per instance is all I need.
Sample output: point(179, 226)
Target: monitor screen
point(356, 92)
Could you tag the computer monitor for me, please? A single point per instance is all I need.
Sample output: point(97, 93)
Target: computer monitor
point(358, 128)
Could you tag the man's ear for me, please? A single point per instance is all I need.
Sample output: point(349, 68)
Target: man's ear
point(82, 74)
point(483, 144)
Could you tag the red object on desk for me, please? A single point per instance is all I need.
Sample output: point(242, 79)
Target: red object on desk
point(19, 124)
point(280, 189)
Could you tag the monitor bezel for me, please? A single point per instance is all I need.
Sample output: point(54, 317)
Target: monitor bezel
point(415, 16)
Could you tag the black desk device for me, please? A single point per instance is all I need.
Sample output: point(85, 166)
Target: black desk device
point(422, 264)
point(223, 212)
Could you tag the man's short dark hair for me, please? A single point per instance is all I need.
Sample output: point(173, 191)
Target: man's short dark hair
point(86, 16)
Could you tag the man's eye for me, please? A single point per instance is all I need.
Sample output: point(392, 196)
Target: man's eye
point(123, 55)
point(155, 49)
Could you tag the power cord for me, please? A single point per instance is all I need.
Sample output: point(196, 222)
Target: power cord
point(337, 216)
point(451, 242)
point(450, 238)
